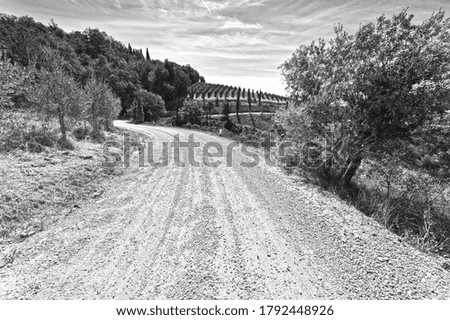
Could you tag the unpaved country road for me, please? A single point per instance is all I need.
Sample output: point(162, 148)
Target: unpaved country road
point(217, 233)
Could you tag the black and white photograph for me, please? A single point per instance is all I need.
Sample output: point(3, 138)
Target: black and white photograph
point(246, 159)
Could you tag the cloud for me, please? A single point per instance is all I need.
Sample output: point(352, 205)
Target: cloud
point(241, 41)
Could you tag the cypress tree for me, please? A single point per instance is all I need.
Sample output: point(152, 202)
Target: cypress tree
point(238, 102)
point(147, 55)
point(249, 100)
point(259, 100)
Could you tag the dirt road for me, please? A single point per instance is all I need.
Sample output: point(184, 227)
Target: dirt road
point(217, 233)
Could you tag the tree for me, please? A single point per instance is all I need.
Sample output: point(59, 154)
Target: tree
point(138, 111)
point(249, 101)
point(238, 102)
point(92, 53)
point(57, 95)
point(147, 55)
point(191, 112)
point(13, 81)
point(103, 105)
point(364, 94)
point(210, 107)
point(259, 100)
point(147, 107)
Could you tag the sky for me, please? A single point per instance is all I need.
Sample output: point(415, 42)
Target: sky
point(239, 43)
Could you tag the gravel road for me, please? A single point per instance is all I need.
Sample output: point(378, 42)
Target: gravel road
point(226, 232)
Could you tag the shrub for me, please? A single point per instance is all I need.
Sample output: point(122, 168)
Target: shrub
point(191, 112)
point(31, 138)
point(81, 132)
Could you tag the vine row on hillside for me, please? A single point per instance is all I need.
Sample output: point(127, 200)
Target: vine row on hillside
point(223, 92)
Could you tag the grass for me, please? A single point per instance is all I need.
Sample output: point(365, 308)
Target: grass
point(42, 180)
point(410, 203)
point(37, 189)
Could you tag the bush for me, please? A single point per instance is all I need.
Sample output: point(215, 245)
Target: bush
point(81, 132)
point(191, 112)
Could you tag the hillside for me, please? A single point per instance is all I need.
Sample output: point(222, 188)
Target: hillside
point(215, 96)
point(93, 53)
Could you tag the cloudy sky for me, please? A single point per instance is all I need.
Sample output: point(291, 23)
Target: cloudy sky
point(239, 42)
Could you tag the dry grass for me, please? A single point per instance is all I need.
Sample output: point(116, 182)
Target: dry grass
point(409, 202)
point(37, 189)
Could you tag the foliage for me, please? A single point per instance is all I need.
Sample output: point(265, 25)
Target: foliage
point(226, 110)
point(57, 95)
point(21, 131)
point(93, 53)
point(14, 80)
point(191, 112)
point(365, 94)
point(147, 107)
point(153, 105)
point(81, 132)
point(227, 92)
point(103, 107)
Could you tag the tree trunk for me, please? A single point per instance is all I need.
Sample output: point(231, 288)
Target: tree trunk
point(350, 171)
point(108, 123)
point(250, 108)
point(94, 121)
point(62, 124)
point(259, 101)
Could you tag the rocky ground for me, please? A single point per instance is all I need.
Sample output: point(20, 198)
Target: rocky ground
point(225, 232)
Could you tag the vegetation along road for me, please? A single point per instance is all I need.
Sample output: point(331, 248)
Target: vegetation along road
point(217, 233)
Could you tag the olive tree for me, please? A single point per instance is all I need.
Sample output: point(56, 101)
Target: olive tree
point(362, 94)
point(103, 105)
point(56, 94)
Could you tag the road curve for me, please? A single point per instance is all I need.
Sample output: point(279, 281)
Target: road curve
point(225, 232)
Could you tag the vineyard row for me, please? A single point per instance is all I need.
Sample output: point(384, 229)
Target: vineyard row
point(224, 92)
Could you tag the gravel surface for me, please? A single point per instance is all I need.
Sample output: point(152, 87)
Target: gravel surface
point(217, 233)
